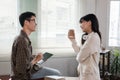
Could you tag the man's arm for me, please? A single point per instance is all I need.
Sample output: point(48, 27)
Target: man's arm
point(22, 60)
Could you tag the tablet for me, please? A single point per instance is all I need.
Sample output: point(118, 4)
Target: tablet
point(46, 56)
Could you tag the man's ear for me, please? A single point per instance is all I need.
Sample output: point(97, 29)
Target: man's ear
point(25, 22)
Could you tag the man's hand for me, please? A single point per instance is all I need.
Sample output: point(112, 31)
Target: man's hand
point(38, 57)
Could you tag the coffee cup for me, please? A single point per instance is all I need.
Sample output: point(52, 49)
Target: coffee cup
point(71, 34)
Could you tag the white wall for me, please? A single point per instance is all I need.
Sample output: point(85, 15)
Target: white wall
point(102, 13)
point(87, 6)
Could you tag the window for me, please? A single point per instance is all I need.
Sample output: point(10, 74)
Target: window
point(57, 17)
point(8, 23)
point(114, 24)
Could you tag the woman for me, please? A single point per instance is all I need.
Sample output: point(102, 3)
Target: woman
point(88, 53)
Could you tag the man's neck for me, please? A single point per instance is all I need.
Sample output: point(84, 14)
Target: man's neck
point(27, 31)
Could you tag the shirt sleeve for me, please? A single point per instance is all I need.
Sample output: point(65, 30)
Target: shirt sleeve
point(23, 64)
point(90, 47)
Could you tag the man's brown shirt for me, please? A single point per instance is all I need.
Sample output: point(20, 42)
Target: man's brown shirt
point(21, 58)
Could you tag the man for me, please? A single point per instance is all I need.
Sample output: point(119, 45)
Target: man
point(22, 61)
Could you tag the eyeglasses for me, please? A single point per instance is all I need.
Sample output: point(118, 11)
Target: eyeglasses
point(31, 20)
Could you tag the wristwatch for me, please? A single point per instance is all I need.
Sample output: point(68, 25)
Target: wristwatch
point(36, 67)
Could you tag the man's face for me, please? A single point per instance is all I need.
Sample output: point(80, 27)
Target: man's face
point(31, 25)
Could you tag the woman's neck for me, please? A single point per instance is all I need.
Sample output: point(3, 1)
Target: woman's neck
point(89, 31)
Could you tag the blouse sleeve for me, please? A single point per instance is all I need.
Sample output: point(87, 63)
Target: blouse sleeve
point(75, 46)
point(90, 47)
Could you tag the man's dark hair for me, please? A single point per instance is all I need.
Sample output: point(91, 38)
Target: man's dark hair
point(25, 16)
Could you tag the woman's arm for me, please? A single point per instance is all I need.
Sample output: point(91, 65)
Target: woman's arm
point(90, 47)
point(71, 37)
point(75, 46)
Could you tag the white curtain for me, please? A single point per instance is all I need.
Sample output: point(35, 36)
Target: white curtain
point(8, 25)
point(55, 18)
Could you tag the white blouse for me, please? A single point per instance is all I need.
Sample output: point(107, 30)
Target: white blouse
point(88, 57)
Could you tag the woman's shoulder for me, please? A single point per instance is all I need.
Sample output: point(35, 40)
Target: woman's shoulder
point(94, 36)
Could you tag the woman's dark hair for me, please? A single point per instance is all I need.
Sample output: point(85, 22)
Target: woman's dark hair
point(94, 22)
point(25, 16)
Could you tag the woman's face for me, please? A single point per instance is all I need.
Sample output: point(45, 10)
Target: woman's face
point(86, 26)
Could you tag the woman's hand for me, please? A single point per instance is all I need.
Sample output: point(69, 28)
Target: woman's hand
point(38, 57)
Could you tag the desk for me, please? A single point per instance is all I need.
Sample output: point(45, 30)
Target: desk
point(104, 62)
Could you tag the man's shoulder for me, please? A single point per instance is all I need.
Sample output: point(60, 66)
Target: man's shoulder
point(19, 39)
